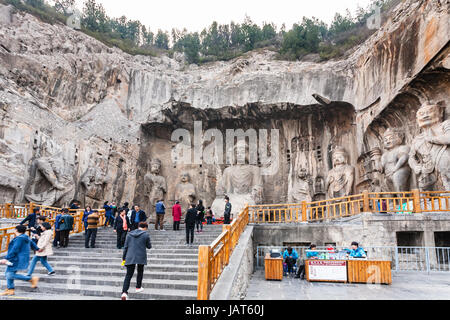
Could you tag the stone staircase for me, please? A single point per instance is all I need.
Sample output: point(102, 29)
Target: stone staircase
point(171, 272)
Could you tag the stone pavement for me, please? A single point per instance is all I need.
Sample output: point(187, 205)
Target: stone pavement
point(91, 274)
point(405, 286)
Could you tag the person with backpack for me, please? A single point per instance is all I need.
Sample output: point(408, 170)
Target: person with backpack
point(45, 245)
point(65, 227)
point(18, 258)
point(92, 228)
point(86, 214)
point(176, 214)
point(190, 220)
point(160, 212)
point(121, 227)
point(137, 216)
point(135, 254)
point(200, 216)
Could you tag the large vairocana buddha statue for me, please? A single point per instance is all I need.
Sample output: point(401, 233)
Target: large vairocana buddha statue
point(242, 183)
point(394, 162)
point(429, 157)
point(340, 178)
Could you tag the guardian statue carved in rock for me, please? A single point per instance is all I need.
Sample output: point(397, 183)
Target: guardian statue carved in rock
point(52, 182)
point(341, 177)
point(394, 162)
point(94, 181)
point(155, 185)
point(301, 190)
point(185, 192)
point(430, 153)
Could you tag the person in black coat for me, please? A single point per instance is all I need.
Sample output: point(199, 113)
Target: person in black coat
point(137, 216)
point(200, 216)
point(190, 220)
point(31, 219)
point(122, 228)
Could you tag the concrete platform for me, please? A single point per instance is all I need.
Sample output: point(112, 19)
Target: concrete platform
point(405, 286)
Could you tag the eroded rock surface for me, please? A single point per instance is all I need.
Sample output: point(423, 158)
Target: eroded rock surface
point(60, 87)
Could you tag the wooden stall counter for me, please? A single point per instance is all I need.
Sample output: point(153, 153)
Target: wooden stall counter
point(351, 271)
point(369, 271)
point(273, 268)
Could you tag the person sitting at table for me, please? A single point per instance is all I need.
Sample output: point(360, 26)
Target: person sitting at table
point(290, 257)
point(310, 254)
point(356, 251)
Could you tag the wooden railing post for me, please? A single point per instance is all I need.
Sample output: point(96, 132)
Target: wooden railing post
point(304, 208)
point(416, 201)
point(228, 243)
point(8, 210)
point(31, 208)
point(204, 281)
point(366, 204)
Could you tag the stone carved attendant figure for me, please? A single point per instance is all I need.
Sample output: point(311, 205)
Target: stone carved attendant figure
point(430, 154)
point(394, 162)
point(185, 192)
point(340, 178)
point(301, 190)
point(155, 185)
point(94, 181)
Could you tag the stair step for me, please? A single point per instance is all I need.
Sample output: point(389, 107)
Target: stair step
point(107, 292)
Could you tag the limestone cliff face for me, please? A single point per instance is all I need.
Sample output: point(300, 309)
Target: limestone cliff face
point(67, 98)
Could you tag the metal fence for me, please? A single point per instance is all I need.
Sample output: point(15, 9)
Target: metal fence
point(419, 259)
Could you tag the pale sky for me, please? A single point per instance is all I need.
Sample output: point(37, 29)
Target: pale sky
point(198, 14)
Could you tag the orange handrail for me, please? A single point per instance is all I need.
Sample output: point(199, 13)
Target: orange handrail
point(213, 258)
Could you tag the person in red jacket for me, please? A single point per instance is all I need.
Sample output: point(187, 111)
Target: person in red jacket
point(176, 213)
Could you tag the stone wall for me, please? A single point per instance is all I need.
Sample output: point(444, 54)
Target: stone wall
point(369, 230)
point(235, 278)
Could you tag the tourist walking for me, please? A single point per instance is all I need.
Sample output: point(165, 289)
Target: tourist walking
point(176, 214)
point(137, 216)
point(45, 245)
point(18, 258)
point(227, 213)
point(200, 216)
point(31, 219)
point(57, 239)
point(65, 227)
point(135, 254)
point(190, 219)
point(36, 232)
point(92, 228)
point(160, 212)
point(109, 214)
point(209, 216)
point(86, 214)
point(121, 227)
